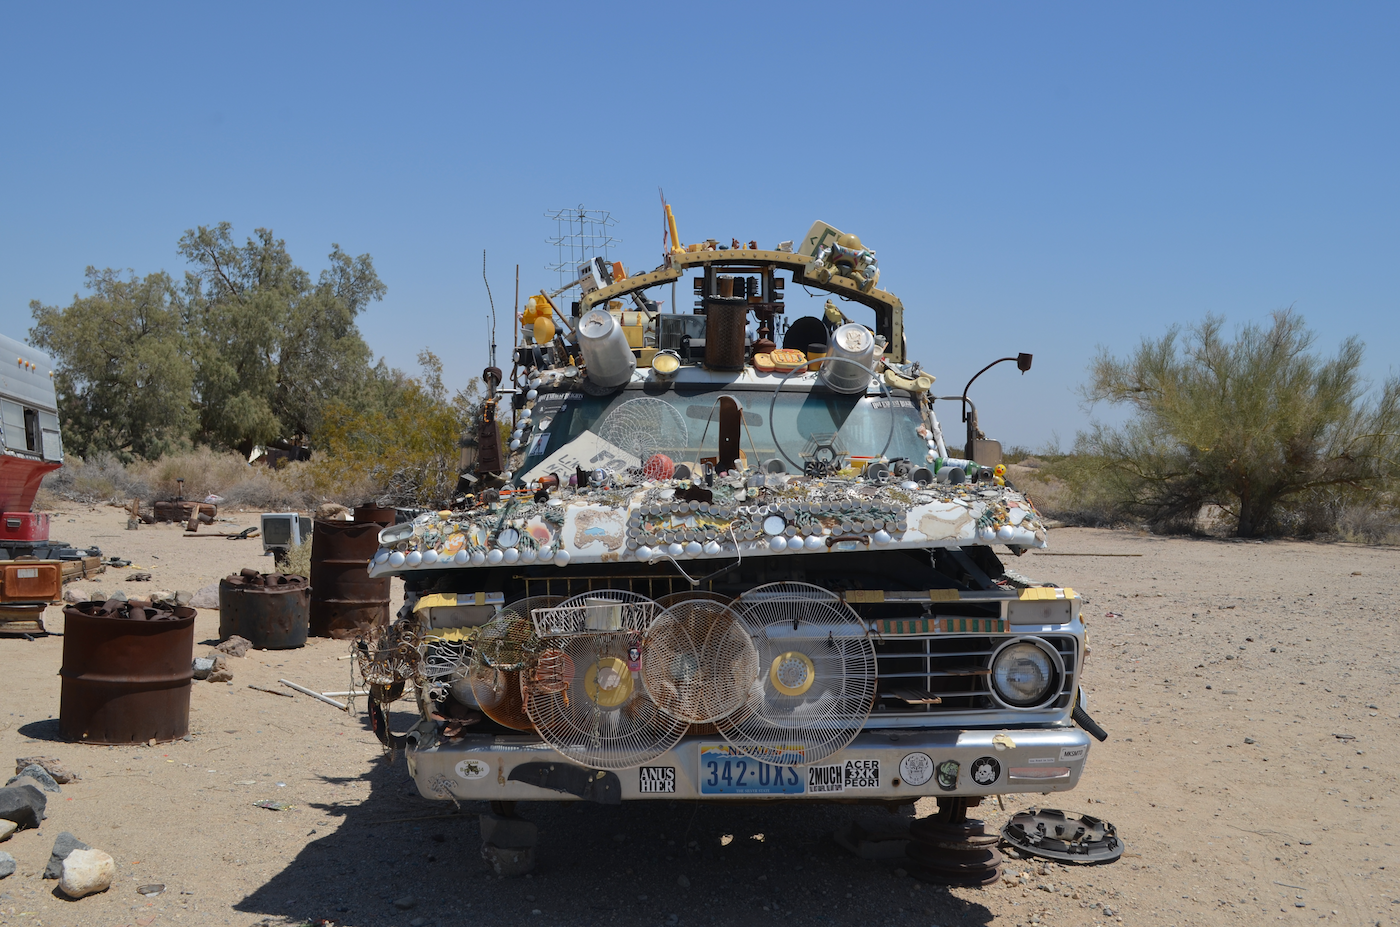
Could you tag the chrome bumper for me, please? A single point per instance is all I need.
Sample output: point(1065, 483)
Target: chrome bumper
point(900, 765)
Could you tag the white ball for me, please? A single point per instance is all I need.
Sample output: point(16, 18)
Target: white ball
point(675, 550)
point(414, 558)
point(430, 556)
point(515, 444)
point(1005, 533)
point(881, 537)
point(532, 395)
point(712, 547)
point(534, 382)
point(561, 558)
point(815, 542)
point(512, 555)
point(546, 553)
point(1024, 537)
point(528, 555)
point(930, 456)
point(396, 558)
point(644, 553)
point(693, 549)
point(381, 556)
point(478, 557)
point(461, 557)
point(777, 543)
point(496, 555)
point(525, 415)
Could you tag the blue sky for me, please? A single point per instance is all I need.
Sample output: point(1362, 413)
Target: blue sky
point(1034, 177)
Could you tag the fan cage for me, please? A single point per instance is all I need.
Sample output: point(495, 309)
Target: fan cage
point(597, 611)
point(698, 661)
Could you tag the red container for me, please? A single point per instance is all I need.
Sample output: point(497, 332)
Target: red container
point(24, 526)
point(31, 581)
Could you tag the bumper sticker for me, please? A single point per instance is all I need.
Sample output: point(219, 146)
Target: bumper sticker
point(916, 768)
point(948, 775)
point(1073, 753)
point(473, 769)
point(985, 770)
point(656, 780)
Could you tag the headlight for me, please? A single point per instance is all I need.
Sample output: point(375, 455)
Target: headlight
point(1025, 673)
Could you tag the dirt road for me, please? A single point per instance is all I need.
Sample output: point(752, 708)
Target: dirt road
point(1250, 691)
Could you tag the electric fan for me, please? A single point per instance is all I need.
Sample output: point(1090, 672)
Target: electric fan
point(503, 646)
point(646, 426)
point(583, 688)
point(816, 676)
point(698, 661)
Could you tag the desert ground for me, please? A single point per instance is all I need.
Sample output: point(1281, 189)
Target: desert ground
point(1249, 690)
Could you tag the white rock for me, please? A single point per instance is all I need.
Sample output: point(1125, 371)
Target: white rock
point(7, 828)
point(86, 872)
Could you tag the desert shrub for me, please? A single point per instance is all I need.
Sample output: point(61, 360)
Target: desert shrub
point(1260, 427)
point(1064, 489)
point(403, 451)
point(298, 562)
point(100, 478)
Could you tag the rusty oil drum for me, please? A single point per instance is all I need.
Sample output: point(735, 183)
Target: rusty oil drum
point(126, 673)
point(271, 610)
point(345, 601)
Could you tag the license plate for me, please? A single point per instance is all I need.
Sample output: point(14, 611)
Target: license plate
point(726, 771)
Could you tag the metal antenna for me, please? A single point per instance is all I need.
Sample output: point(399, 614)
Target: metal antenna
point(493, 306)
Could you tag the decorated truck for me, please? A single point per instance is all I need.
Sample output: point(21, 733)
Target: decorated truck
point(729, 558)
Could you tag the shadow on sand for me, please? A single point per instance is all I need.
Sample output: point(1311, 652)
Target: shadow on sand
point(397, 859)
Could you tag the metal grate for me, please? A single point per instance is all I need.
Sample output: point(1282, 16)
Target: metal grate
point(956, 670)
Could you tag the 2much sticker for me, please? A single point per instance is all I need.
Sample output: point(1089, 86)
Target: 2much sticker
point(853, 774)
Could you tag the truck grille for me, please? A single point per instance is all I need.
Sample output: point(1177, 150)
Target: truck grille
point(956, 670)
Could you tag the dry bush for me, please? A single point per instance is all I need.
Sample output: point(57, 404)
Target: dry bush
point(298, 562)
point(102, 478)
point(1064, 490)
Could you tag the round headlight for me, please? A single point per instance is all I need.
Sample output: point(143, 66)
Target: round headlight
point(1024, 674)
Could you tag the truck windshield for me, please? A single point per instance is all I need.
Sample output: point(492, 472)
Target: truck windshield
point(683, 423)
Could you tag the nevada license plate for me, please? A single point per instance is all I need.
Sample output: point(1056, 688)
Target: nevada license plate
point(726, 771)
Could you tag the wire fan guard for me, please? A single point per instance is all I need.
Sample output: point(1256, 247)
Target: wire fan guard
point(816, 676)
point(503, 646)
point(699, 663)
point(588, 703)
point(645, 427)
point(597, 611)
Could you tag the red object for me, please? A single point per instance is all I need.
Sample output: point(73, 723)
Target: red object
point(24, 526)
point(659, 467)
point(19, 481)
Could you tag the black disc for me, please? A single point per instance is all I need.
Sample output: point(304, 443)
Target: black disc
point(805, 332)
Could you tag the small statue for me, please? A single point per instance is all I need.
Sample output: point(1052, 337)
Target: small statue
point(999, 474)
point(846, 257)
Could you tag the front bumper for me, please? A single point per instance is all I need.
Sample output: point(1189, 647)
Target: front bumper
point(883, 765)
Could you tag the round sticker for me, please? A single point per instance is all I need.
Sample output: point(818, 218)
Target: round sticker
point(916, 768)
point(985, 770)
point(473, 769)
point(948, 775)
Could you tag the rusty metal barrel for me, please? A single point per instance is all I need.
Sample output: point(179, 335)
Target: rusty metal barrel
point(345, 601)
point(126, 672)
point(271, 610)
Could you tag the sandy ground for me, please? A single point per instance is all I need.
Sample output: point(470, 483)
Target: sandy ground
point(1197, 646)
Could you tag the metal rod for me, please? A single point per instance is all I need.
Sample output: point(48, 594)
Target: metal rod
point(316, 695)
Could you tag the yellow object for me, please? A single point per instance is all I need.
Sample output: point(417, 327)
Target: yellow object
point(792, 673)
point(785, 359)
point(618, 273)
point(646, 357)
point(999, 474)
point(665, 363)
point(763, 363)
point(608, 682)
point(544, 330)
point(671, 224)
point(833, 313)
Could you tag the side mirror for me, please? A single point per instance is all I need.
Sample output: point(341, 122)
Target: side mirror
point(1023, 362)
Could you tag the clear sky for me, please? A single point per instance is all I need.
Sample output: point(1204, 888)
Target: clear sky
point(1033, 176)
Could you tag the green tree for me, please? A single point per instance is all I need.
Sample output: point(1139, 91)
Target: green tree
point(1252, 425)
point(124, 374)
point(272, 349)
point(404, 445)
